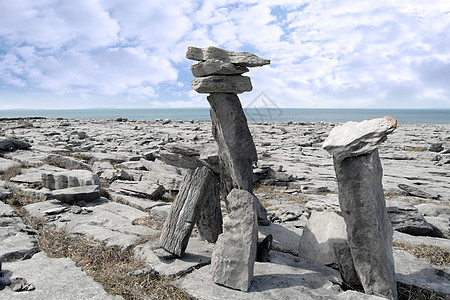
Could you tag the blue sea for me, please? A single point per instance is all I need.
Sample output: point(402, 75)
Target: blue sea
point(430, 116)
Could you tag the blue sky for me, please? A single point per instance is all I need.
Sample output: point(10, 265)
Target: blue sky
point(324, 53)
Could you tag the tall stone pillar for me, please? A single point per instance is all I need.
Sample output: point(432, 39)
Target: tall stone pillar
point(359, 175)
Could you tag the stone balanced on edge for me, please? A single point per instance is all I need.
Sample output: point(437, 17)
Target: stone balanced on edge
point(354, 147)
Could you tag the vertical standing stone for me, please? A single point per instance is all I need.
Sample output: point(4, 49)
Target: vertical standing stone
point(209, 223)
point(369, 230)
point(237, 152)
point(234, 254)
point(359, 174)
point(185, 211)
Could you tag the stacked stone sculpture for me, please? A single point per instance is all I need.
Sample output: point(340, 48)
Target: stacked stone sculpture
point(219, 74)
point(359, 174)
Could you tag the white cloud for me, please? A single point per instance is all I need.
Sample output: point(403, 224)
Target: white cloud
point(324, 53)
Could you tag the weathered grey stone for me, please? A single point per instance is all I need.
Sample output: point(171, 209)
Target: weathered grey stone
point(5, 145)
point(18, 143)
point(6, 164)
point(285, 277)
point(76, 194)
point(415, 191)
point(71, 283)
point(67, 162)
point(216, 67)
point(142, 189)
point(15, 247)
point(107, 222)
point(441, 226)
point(6, 210)
point(406, 218)
point(209, 222)
point(368, 227)
point(284, 239)
point(139, 203)
point(185, 210)
point(179, 160)
point(111, 175)
point(358, 138)
point(345, 264)
point(263, 249)
point(100, 166)
point(237, 152)
point(68, 179)
point(198, 254)
point(433, 210)
point(235, 84)
point(181, 149)
point(234, 254)
point(238, 58)
point(323, 230)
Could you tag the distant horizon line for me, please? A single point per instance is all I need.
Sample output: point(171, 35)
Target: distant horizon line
point(168, 108)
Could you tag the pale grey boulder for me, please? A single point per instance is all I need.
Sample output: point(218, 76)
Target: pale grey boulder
point(369, 230)
point(234, 254)
point(235, 84)
point(101, 166)
point(185, 210)
point(238, 58)
point(67, 162)
point(216, 67)
point(358, 138)
point(433, 210)
point(406, 218)
point(67, 179)
point(323, 230)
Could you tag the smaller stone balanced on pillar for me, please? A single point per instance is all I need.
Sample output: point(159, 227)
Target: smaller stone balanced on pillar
point(354, 147)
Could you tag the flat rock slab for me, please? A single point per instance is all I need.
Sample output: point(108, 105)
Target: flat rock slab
point(198, 253)
point(142, 189)
point(238, 58)
point(75, 194)
point(284, 240)
point(69, 283)
point(6, 164)
point(216, 67)
point(104, 221)
point(138, 203)
point(6, 210)
point(18, 246)
point(358, 138)
point(412, 271)
point(235, 84)
point(285, 277)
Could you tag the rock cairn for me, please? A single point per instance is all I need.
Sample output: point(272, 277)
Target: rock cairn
point(354, 147)
point(219, 74)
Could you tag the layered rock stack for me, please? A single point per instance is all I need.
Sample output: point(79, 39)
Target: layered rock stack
point(354, 147)
point(219, 74)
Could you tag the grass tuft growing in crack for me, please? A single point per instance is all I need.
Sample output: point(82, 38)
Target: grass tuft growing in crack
point(112, 267)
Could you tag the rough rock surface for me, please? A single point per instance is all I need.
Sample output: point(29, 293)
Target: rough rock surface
point(234, 254)
point(238, 58)
point(71, 282)
point(358, 138)
point(68, 179)
point(216, 67)
point(235, 84)
point(198, 187)
point(323, 230)
point(368, 227)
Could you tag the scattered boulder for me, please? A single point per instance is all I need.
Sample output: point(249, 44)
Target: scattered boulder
point(322, 232)
point(406, 218)
point(73, 195)
point(415, 191)
point(436, 147)
point(68, 179)
point(141, 189)
point(234, 254)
